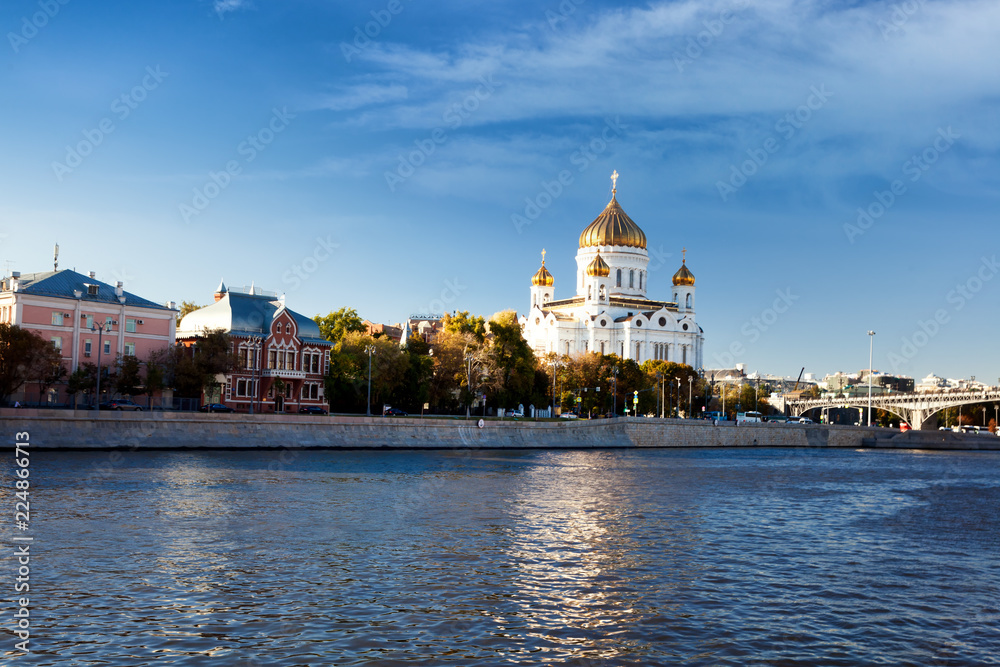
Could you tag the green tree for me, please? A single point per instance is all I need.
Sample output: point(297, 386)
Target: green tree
point(513, 359)
point(196, 369)
point(46, 368)
point(83, 379)
point(335, 325)
point(128, 377)
point(24, 355)
point(464, 323)
point(156, 374)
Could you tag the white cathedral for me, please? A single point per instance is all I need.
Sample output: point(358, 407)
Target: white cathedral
point(611, 312)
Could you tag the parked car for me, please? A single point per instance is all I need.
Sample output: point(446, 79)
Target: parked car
point(569, 415)
point(121, 404)
point(312, 410)
point(393, 412)
point(515, 413)
point(215, 407)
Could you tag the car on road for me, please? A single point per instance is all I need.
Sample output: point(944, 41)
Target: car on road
point(515, 413)
point(121, 404)
point(569, 415)
point(312, 410)
point(215, 407)
point(393, 412)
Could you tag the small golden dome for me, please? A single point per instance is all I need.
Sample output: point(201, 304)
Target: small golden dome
point(613, 227)
point(683, 275)
point(542, 277)
point(598, 267)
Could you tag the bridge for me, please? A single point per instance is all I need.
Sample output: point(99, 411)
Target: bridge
point(916, 409)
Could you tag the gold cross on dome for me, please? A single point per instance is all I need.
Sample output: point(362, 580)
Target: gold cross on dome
point(543, 255)
point(614, 180)
point(684, 254)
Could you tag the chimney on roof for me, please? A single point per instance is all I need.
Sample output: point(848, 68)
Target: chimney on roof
point(119, 288)
point(15, 281)
point(92, 274)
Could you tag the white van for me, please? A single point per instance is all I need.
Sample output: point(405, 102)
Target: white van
point(749, 418)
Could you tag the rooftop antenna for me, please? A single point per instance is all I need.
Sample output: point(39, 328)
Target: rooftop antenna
point(55, 258)
point(8, 262)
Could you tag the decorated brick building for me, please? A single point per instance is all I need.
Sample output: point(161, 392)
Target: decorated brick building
point(282, 357)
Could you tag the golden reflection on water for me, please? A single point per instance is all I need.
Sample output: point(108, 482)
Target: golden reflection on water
point(580, 563)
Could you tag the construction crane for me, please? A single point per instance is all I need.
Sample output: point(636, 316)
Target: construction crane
point(800, 378)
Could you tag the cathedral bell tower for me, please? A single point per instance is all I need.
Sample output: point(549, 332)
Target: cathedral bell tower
point(542, 282)
point(684, 287)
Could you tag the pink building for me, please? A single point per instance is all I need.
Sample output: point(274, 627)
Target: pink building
point(63, 306)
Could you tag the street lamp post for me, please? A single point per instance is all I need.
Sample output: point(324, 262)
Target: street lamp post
point(871, 347)
point(690, 393)
point(614, 391)
point(724, 399)
point(370, 350)
point(99, 329)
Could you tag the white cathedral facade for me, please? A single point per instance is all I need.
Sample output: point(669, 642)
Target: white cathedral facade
point(611, 311)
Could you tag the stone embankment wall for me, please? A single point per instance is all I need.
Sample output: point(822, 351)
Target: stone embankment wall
point(89, 430)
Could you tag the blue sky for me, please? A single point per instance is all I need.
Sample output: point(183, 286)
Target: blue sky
point(172, 144)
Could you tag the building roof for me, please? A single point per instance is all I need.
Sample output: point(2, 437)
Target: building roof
point(66, 284)
point(243, 314)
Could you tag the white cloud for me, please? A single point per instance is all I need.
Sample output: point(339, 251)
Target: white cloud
point(223, 7)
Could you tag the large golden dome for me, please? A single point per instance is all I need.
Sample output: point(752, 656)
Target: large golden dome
point(542, 277)
point(613, 227)
point(684, 275)
point(598, 268)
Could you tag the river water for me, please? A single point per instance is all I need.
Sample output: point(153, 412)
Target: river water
point(486, 557)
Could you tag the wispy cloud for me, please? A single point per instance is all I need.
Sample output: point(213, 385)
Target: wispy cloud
point(223, 7)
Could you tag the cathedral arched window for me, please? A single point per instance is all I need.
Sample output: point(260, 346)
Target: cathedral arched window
point(631, 278)
point(545, 298)
point(590, 293)
point(604, 294)
point(618, 280)
point(640, 280)
point(689, 301)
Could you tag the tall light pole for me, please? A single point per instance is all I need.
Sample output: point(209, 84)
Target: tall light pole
point(370, 350)
point(690, 393)
point(871, 347)
point(614, 391)
point(724, 399)
point(99, 329)
point(468, 381)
